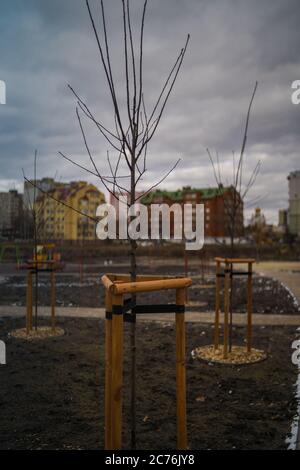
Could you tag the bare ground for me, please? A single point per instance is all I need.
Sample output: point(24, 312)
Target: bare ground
point(51, 391)
point(270, 296)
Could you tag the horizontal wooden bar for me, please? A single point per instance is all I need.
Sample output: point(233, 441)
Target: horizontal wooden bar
point(126, 277)
point(147, 286)
point(235, 260)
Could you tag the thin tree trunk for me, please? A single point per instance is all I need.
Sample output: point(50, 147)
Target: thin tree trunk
point(133, 247)
point(35, 249)
point(36, 277)
point(231, 283)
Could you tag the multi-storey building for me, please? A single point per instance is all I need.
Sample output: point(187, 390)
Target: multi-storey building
point(66, 219)
point(218, 208)
point(35, 188)
point(294, 203)
point(11, 205)
point(283, 220)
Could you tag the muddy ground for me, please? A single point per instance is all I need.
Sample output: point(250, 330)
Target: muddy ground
point(86, 290)
point(51, 391)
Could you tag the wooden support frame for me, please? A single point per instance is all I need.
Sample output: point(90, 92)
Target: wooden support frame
point(32, 268)
point(116, 286)
point(228, 272)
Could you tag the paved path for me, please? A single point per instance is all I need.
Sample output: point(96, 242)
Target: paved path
point(197, 317)
point(287, 272)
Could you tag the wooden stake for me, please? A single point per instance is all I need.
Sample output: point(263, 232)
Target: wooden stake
point(217, 311)
point(186, 269)
point(181, 374)
point(53, 300)
point(117, 374)
point(108, 377)
point(226, 309)
point(29, 303)
point(249, 309)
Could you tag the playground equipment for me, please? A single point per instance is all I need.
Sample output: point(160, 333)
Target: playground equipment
point(45, 253)
point(117, 286)
point(228, 274)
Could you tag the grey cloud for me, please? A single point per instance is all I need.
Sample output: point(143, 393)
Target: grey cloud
point(47, 44)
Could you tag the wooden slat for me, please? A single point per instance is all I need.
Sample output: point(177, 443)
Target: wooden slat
point(126, 277)
point(226, 312)
point(147, 286)
point(117, 375)
point(182, 443)
point(53, 300)
point(235, 260)
point(108, 377)
point(249, 309)
point(217, 309)
point(29, 303)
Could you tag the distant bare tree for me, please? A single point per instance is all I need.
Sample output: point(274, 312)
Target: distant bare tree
point(38, 229)
point(239, 188)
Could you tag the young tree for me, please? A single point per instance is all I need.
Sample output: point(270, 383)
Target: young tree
point(133, 127)
point(238, 190)
point(38, 229)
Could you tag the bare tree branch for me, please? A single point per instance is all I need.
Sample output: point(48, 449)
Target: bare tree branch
point(160, 181)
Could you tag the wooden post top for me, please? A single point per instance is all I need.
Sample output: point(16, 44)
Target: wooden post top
point(235, 260)
point(121, 284)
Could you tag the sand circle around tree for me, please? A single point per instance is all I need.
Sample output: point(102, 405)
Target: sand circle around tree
point(42, 332)
point(238, 355)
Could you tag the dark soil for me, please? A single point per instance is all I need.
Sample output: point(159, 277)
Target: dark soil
point(51, 391)
point(269, 295)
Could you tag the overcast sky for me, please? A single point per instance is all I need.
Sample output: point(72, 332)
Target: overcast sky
point(46, 44)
